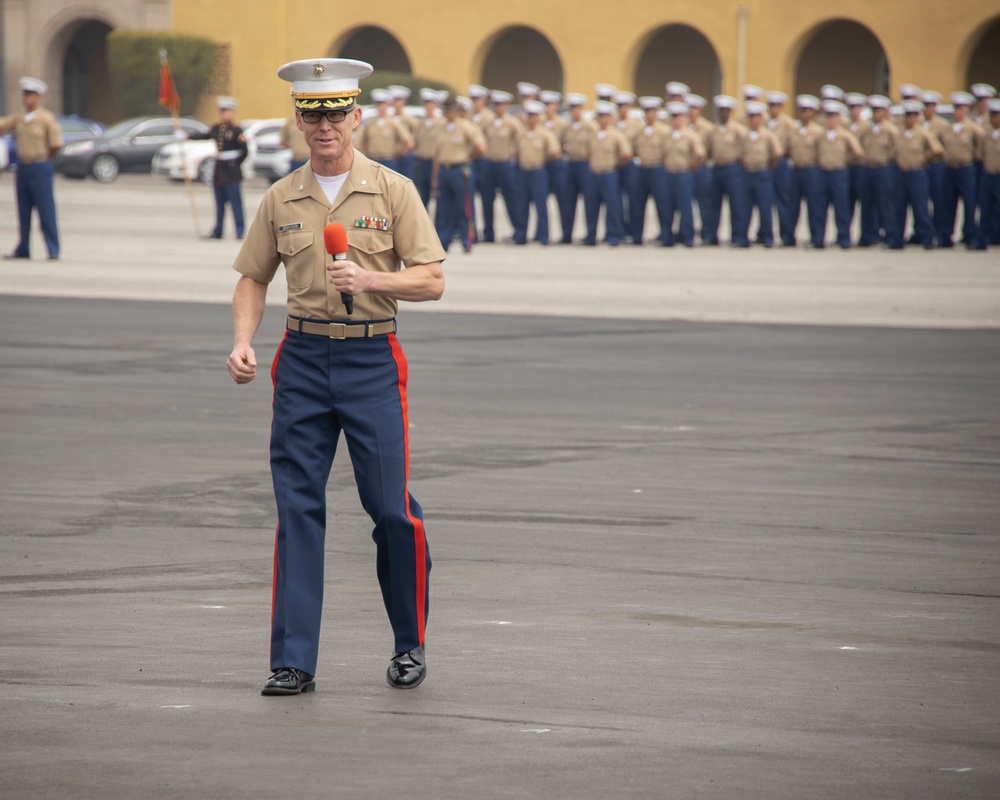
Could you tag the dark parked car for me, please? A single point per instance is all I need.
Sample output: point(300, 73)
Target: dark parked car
point(73, 129)
point(128, 146)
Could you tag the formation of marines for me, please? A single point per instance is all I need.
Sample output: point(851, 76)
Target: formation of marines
point(901, 169)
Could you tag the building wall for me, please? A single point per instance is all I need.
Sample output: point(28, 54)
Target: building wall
point(760, 41)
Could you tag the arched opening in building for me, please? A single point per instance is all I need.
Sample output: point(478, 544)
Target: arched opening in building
point(82, 48)
point(376, 46)
point(678, 53)
point(984, 59)
point(844, 53)
point(520, 53)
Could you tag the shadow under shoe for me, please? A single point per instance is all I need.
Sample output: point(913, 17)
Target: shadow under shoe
point(407, 670)
point(288, 680)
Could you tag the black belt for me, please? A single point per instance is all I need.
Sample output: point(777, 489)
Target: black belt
point(453, 166)
point(342, 330)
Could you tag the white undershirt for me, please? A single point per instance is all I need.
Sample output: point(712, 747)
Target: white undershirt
point(331, 186)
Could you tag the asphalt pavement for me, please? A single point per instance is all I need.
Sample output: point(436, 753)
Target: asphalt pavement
point(673, 557)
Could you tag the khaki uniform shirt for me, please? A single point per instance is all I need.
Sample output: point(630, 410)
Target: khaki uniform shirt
point(536, 148)
point(36, 138)
point(556, 126)
point(410, 123)
point(962, 143)
point(607, 150)
point(295, 140)
point(288, 229)
point(879, 143)
point(383, 138)
point(630, 126)
point(647, 144)
point(457, 142)
point(501, 136)
point(704, 130)
point(935, 127)
point(484, 118)
point(683, 150)
point(782, 126)
point(760, 148)
point(802, 145)
point(426, 135)
point(915, 148)
point(838, 149)
point(991, 151)
point(576, 139)
point(725, 143)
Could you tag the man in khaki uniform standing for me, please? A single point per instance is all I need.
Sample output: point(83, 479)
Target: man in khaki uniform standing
point(576, 139)
point(38, 139)
point(915, 149)
point(609, 151)
point(703, 176)
point(989, 185)
point(500, 174)
point(628, 172)
point(400, 94)
point(805, 177)
point(339, 368)
point(725, 148)
point(683, 156)
point(459, 142)
point(383, 138)
point(782, 126)
point(762, 152)
point(650, 181)
point(935, 126)
point(426, 135)
point(536, 146)
point(557, 168)
point(962, 142)
point(837, 150)
point(878, 201)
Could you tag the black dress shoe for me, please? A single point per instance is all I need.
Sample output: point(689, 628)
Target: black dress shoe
point(407, 670)
point(289, 681)
point(14, 256)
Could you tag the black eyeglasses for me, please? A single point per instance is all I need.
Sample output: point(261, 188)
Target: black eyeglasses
point(312, 117)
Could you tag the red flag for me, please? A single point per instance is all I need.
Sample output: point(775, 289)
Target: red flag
point(168, 92)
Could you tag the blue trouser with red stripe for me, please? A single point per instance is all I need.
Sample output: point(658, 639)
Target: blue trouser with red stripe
point(324, 386)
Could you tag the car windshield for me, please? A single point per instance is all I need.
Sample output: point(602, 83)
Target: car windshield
point(73, 126)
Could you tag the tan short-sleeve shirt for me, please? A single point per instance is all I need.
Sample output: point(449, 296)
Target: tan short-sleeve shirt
point(607, 150)
point(683, 151)
point(426, 135)
point(915, 148)
point(382, 138)
point(500, 138)
point(962, 143)
point(838, 149)
point(36, 137)
point(576, 139)
point(879, 143)
point(647, 144)
point(458, 142)
point(760, 148)
point(991, 151)
point(387, 226)
point(536, 148)
point(802, 145)
point(782, 126)
point(704, 129)
point(726, 143)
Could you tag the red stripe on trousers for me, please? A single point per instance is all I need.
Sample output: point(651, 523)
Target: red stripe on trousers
point(419, 540)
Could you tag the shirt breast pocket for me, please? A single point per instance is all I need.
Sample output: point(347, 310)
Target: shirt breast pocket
point(370, 244)
point(298, 254)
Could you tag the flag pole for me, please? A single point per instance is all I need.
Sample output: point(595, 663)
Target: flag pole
point(170, 98)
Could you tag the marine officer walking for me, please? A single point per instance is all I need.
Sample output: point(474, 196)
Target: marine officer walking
point(338, 371)
point(38, 139)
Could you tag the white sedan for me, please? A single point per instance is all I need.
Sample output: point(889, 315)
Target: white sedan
point(197, 156)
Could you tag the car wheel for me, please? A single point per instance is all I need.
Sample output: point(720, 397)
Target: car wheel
point(105, 168)
point(206, 170)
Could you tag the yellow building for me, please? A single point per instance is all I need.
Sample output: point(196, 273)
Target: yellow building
point(712, 45)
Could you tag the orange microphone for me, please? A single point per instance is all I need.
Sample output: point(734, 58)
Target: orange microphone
point(335, 238)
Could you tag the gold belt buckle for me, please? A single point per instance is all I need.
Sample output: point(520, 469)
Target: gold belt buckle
point(338, 330)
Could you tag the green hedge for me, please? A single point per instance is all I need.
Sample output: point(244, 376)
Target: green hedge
point(134, 64)
point(380, 79)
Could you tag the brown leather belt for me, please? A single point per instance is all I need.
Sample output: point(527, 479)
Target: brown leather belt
point(342, 330)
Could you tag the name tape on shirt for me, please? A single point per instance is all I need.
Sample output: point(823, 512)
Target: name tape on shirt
point(293, 227)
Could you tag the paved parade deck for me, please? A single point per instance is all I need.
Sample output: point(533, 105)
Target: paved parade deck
point(704, 523)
